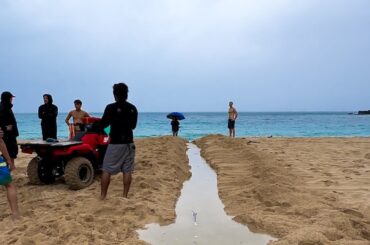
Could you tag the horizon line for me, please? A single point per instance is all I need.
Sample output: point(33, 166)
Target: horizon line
point(293, 111)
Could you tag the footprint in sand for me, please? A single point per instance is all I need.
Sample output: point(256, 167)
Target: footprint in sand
point(68, 218)
point(328, 182)
point(353, 213)
point(89, 218)
point(143, 162)
point(330, 198)
point(13, 241)
point(144, 185)
point(315, 170)
point(104, 211)
point(338, 192)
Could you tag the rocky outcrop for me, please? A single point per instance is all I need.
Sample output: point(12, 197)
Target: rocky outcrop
point(364, 112)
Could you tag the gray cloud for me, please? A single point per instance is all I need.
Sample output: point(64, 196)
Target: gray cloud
point(188, 55)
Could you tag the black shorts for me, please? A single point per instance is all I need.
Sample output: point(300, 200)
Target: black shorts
point(231, 124)
point(11, 145)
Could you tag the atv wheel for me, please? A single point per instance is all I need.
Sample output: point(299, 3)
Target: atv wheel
point(79, 173)
point(33, 171)
point(39, 173)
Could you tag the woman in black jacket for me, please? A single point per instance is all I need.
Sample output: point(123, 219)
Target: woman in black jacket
point(48, 113)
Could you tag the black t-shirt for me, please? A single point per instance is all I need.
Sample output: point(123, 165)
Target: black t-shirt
point(122, 118)
point(7, 118)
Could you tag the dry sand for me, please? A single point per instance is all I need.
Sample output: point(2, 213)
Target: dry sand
point(53, 214)
point(303, 191)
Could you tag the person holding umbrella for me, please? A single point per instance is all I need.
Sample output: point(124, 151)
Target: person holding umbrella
point(175, 124)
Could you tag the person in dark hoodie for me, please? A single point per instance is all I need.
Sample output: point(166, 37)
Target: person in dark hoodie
point(8, 124)
point(48, 113)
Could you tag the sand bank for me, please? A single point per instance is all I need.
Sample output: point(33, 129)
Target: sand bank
point(303, 191)
point(53, 214)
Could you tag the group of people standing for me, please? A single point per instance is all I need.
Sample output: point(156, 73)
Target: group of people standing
point(48, 113)
point(121, 116)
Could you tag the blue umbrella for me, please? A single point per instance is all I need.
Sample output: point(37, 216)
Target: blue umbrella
point(177, 115)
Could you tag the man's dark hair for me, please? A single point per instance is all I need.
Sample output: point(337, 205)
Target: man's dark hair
point(120, 91)
point(78, 102)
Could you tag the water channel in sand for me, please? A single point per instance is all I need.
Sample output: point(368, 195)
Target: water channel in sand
point(200, 215)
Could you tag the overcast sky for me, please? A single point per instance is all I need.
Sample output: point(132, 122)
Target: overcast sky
point(188, 55)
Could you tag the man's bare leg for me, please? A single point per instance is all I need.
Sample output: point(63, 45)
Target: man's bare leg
point(11, 192)
point(233, 132)
point(105, 180)
point(126, 183)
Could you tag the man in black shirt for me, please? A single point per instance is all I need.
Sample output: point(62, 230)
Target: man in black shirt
point(120, 154)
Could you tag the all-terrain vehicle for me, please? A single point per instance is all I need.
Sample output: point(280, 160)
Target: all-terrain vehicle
point(77, 159)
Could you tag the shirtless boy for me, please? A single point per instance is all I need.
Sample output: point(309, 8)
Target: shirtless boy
point(77, 116)
point(233, 114)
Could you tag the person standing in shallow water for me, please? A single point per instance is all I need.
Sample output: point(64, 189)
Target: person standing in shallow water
point(48, 113)
point(175, 124)
point(120, 154)
point(233, 114)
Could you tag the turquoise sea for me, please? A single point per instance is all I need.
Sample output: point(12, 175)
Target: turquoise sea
point(289, 124)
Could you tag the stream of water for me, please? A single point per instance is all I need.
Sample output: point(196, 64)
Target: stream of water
point(201, 218)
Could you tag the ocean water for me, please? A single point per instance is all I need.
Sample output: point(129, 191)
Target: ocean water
point(196, 125)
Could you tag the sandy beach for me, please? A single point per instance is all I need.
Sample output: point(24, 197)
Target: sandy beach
point(300, 190)
point(53, 214)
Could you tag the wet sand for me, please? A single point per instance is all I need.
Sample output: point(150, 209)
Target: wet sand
point(201, 218)
point(301, 190)
point(53, 214)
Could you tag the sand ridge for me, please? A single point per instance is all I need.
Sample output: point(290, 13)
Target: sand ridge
point(53, 214)
point(301, 190)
